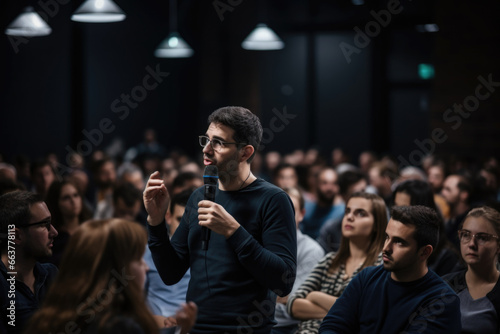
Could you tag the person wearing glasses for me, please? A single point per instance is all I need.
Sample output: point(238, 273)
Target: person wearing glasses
point(251, 255)
point(26, 236)
point(478, 287)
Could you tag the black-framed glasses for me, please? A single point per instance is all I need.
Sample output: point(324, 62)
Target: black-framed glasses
point(47, 223)
point(216, 144)
point(481, 238)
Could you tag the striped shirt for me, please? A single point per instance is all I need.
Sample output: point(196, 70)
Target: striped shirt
point(321, 280)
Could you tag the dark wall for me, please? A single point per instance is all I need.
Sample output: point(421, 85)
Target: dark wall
point(77, 79)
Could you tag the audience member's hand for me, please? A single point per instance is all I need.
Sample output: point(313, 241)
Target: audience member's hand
point(186, 316)
point(282, 300)
point(165, 322)
point(156, 199)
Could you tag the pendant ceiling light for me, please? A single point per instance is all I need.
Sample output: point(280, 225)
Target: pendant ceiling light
point(173, 46)
point(262, 38)
point(96, 11)
point(28, 24)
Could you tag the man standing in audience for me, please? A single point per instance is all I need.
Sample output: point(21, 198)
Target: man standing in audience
point(457, 193)
point(251, 254)
point(317, 213)
point(402, 295)
point(26, 236)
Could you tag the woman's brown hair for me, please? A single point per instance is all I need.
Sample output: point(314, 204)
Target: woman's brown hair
point(376, 242)
point(95, 283)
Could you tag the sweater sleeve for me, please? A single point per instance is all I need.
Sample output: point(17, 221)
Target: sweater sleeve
point(171, 262)
point(343, 316)
point(312, 282)
point(273, 261)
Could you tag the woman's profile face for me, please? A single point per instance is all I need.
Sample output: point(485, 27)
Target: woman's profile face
point(70, 201)
point(358, 218)
point(481, 249)
point(138, 269)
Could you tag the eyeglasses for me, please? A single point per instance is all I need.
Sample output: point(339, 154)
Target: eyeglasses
point(47, 223)
point(216, 144)
point(481, 238)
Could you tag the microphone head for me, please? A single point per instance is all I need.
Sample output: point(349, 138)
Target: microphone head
point(211, 174)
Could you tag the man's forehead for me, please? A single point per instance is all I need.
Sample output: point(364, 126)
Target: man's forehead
point(39, 211)
point(396, 228)
point(220, 130)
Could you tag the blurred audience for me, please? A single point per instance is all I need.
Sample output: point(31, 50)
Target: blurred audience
point(103, 259)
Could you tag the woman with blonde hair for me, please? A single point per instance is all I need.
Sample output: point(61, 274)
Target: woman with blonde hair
point(99, 288)
point(363, 234)
point(478, 286)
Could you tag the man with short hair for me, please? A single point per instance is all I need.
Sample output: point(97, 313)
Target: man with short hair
point(127, 203)
point(317, 213)
point(26, 236)
point(252, 252)
point(457, 192)
point(104, 173)
point(42, 176)
point(382, 175)
point(402, 295)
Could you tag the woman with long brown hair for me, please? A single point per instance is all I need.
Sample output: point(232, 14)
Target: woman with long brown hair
point(99, 288)
point(363, 234)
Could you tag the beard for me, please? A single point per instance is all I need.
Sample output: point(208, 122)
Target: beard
point(228, 167)
point(326, 197)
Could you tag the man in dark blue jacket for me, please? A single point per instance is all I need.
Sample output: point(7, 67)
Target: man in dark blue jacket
point(402, 295)
point(26, 236)
point(251, 256)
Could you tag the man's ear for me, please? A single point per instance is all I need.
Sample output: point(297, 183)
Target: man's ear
point(425, 252)
point(247, 152)
point(20, 236)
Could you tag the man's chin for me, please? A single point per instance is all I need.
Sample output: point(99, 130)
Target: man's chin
point(387, 266)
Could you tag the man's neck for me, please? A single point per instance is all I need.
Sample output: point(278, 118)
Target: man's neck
point(239, 181)
point(410, 274)
point(24, 269)
point(459, 209)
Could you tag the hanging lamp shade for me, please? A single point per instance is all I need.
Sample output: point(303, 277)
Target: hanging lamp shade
point(95, 11)
point(262, 38)
point(28, 24)
point(174, 46)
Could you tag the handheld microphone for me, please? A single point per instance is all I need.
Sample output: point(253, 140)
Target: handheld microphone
point(210, 179)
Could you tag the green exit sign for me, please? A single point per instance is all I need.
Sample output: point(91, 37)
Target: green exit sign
point(425, 71)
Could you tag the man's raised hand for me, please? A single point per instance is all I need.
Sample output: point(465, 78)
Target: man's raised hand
point(156, 199)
